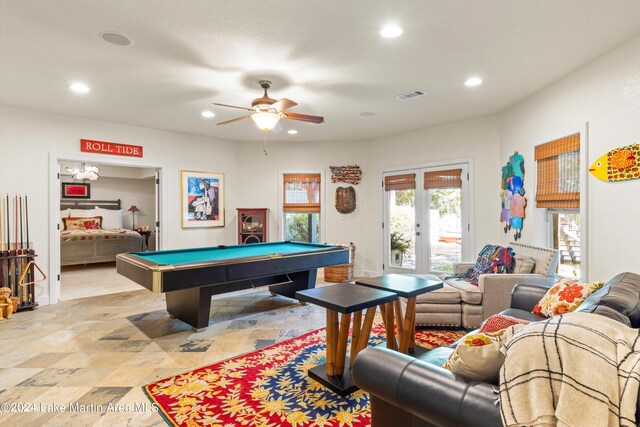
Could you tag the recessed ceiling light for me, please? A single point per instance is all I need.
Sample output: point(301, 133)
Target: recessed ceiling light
point(207, 114)
point(473, 81)
point(292, 132)
point(367, 114)
point(391, 31)
point(79, 87)
point(115, 38)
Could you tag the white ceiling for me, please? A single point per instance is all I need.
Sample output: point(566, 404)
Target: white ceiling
point(326, 55)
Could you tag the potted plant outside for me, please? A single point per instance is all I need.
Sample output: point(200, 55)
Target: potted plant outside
point(399, 246)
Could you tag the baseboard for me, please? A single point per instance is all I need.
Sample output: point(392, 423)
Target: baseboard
point(43, 300)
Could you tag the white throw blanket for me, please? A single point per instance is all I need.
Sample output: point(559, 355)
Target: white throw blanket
point(574, 370)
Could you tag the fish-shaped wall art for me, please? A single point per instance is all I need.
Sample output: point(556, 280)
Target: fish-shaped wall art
point(619, 164)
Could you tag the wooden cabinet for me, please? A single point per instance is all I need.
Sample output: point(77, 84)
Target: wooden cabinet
point(252, 225)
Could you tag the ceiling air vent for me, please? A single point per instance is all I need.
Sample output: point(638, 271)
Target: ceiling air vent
point(410, 95)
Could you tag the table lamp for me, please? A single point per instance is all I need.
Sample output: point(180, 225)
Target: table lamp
point(133, 209)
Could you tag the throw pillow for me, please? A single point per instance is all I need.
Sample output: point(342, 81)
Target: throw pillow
point(524, 264)
point(477, 357)
point(73, 223)
point(564, 297)
point(499, 321)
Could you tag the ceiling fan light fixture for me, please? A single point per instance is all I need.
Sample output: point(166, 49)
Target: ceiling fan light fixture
point(266, 120)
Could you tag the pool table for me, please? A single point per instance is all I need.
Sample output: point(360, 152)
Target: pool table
point(189, 277)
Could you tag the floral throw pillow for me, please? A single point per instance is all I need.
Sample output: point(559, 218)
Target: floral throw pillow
point(564, 297)
point(477, 357)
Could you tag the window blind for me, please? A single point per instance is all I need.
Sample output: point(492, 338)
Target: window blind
point(301, 192)
point(400, 182)
point(450, 178)
point(558, 173)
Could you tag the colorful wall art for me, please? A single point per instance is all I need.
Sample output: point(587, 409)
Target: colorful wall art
point(202, 199)
point(619, 164)
point(512, 195)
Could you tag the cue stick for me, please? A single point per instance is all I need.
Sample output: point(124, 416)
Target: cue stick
point(29, 251)
point(8, 243)
point(16, 261)
point(1, 244)
point(21, 235)
point(23, 263)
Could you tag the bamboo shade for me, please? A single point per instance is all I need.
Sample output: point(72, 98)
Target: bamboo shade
point(450, 178)
point(400, 182)
point(301, 192)
point(559, 173)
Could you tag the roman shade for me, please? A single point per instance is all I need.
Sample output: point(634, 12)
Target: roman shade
point(450, 178)
point(400, 182)
point(301, 192)
point(558, 173)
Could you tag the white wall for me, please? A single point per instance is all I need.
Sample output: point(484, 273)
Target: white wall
point(260, 185)
point(476, 139)
point(605, 93)
point(27, 137)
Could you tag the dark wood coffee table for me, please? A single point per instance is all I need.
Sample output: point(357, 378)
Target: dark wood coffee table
point(344, 298)
point(405, 286)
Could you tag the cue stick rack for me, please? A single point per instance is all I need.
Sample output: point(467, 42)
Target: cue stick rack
point(17, 256)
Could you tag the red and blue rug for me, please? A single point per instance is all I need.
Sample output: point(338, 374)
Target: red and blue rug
point(270, 388)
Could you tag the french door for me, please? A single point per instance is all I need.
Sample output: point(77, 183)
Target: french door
point(426, 219)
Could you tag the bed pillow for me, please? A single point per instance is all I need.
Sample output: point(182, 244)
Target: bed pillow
point(564, 297)
point(66, 213)
point(110, 218)
point(79, 223)
point(82, 213)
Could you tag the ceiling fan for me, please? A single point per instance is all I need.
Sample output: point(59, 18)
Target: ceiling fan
point(267, 112)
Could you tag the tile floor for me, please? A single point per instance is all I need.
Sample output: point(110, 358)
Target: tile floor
point(103, 349)
point(102, 276)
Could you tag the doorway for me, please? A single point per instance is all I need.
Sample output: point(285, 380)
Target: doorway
point(127, 200)
point(426, 219)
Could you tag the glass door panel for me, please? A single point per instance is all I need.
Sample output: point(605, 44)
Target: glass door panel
point(445, 228)
point(402, 229)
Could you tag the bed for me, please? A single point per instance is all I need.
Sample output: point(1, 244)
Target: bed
point(96, 245)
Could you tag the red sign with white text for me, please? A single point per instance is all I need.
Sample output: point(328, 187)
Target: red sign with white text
point(90, 146)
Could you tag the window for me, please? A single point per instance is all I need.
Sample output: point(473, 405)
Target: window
point(558, 190)
point(301, 207)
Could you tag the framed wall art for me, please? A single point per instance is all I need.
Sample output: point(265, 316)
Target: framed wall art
point(72, 190)
point(202, 197)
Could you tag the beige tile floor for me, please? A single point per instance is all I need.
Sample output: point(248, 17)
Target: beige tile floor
point(102, 276)
point(99, 350)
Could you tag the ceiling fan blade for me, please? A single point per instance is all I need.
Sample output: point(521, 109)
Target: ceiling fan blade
point(235, 120)
point(304, 117)
point(234, 106)
point(283, 104)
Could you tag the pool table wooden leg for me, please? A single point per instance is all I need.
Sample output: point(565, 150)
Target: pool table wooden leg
point(192, 306)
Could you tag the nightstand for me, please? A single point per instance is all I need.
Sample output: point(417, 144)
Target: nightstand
point(146, 234)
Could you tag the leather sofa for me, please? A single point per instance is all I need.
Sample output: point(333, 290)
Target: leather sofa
point(460, 303)
point(417, 392)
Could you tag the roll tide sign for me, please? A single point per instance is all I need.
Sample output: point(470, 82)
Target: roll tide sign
point(102, 147)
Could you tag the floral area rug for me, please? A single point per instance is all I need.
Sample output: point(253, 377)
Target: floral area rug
point(270, 387)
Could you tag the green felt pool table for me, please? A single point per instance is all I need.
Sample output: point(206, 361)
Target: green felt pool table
point(189, 277)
